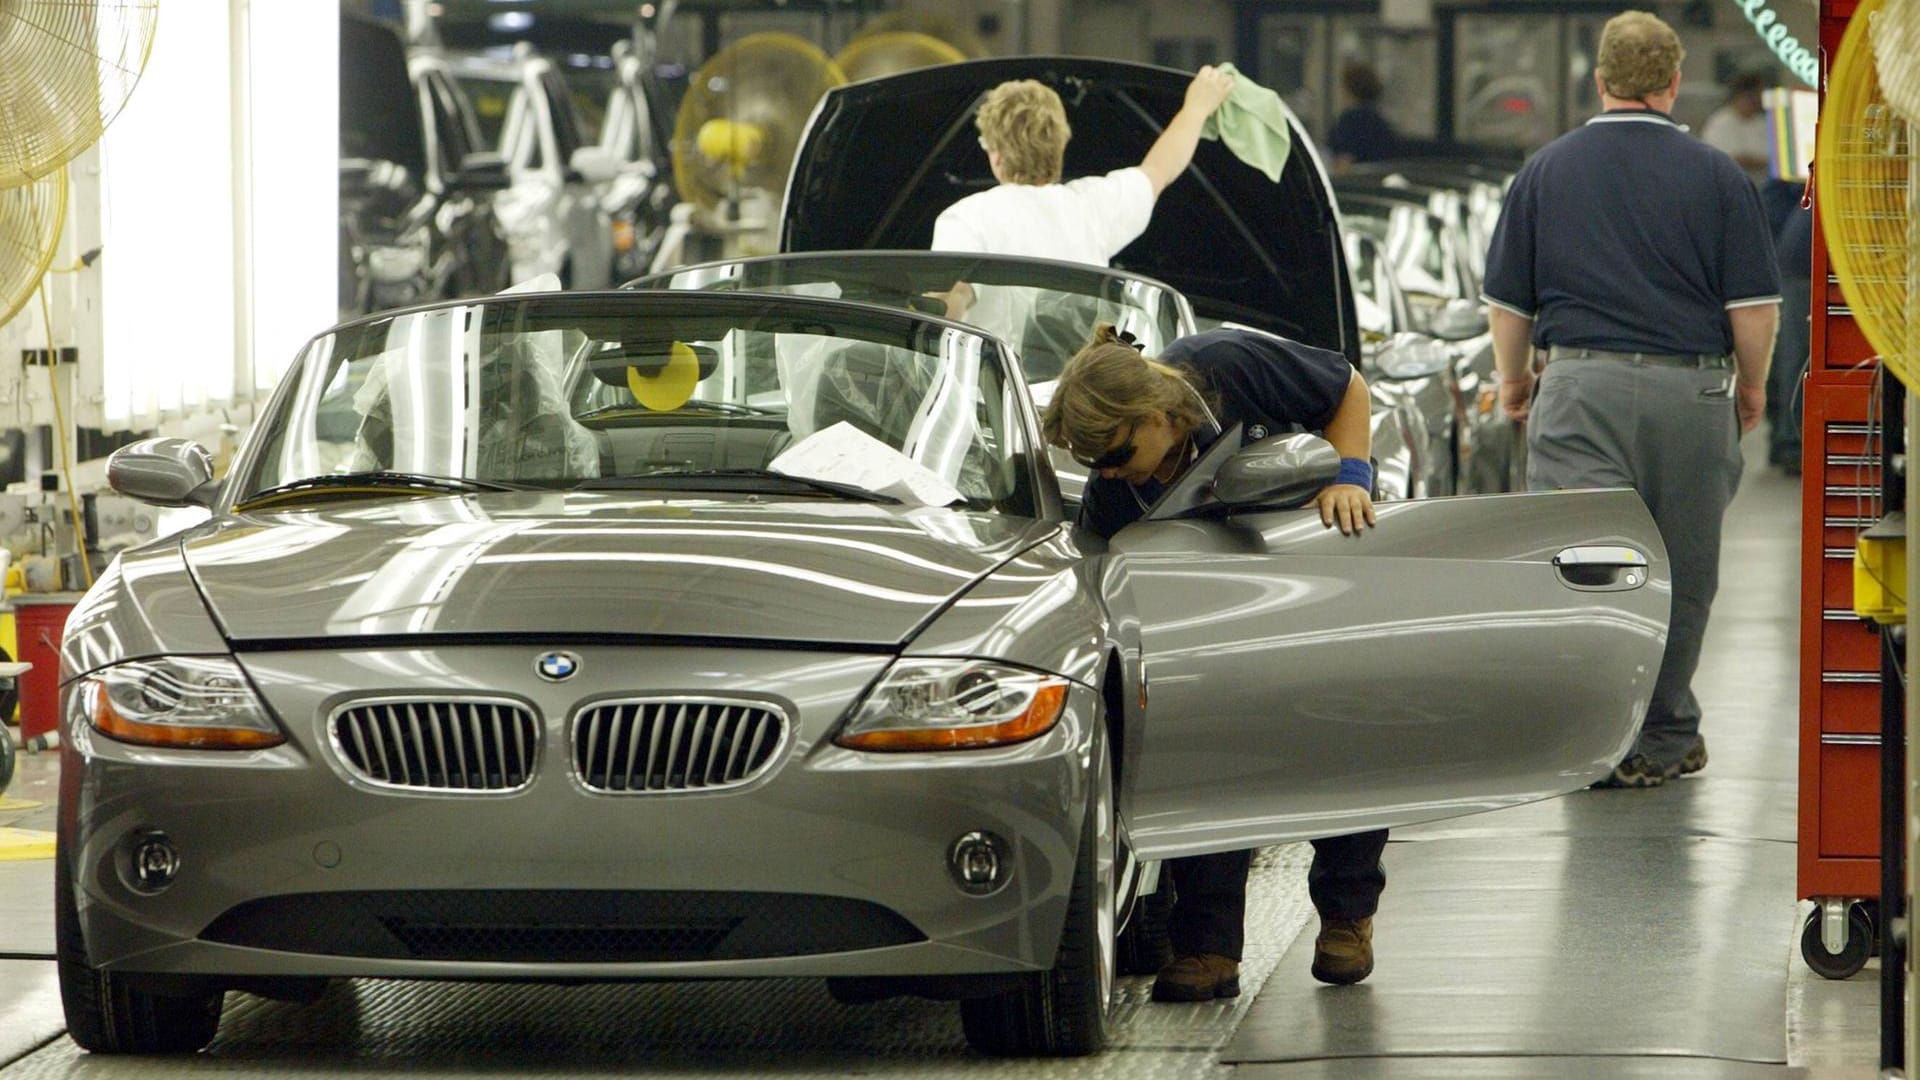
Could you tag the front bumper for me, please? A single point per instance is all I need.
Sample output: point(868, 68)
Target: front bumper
point(857, 843)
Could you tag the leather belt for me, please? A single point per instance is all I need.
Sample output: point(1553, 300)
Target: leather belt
point(1705, 361)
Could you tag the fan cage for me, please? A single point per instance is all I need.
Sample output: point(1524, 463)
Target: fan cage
point(67, 68)
point(1868, 198)
point(891, 52)
point(771, 79)
point(31, 215)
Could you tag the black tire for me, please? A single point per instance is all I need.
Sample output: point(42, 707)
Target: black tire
point(1145, 947)
point(6, 759)
point(1870, 907)
point(105, 1013)
point(1063, 1012)
point(1851, 957)
point(9, 698)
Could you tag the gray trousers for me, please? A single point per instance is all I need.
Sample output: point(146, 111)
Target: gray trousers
point(1672, 435)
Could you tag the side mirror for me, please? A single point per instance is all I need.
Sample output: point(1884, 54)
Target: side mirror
point(164, 472)
point(1411, 356)
point(1458, 320)
point(594, 164)
point(1278, 470)
point(481, 171)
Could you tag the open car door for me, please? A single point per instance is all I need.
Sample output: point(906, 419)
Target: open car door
point(1464, 655)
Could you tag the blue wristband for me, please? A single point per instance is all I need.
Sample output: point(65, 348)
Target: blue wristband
point(1355, 471)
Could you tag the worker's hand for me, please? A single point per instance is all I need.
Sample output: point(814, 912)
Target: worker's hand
point(1208, 89)
point(1516, 395)
point(1750, 401)
point(1346, 505)
point(958, 300)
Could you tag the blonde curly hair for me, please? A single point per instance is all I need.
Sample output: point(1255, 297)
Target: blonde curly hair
point(1024, 122)
point(1638, 55)
point(1109, 385)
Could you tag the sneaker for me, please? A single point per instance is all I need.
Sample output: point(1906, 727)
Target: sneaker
point(1638, 771)
point(1201, 977)
point(1696, 757)
point(1343, 953)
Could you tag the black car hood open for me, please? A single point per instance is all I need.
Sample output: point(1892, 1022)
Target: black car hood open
point(882, 158)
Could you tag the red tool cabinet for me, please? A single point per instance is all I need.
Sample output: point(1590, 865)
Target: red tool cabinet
point(1840, 654)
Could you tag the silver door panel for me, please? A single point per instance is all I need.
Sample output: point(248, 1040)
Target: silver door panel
point(1302, 684)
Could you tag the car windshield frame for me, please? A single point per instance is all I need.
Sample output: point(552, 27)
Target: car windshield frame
point(915, 371)
point(1155, 312)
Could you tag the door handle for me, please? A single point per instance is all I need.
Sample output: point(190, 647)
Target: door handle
point(1602, 568)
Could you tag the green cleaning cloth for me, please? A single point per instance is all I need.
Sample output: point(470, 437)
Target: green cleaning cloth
point(1253, 124)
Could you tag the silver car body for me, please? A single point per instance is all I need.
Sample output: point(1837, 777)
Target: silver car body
point(1465, 654)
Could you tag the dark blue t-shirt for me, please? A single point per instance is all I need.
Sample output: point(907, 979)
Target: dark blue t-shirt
point(1264, 382)
point(1629, 234)
point(1362, 134)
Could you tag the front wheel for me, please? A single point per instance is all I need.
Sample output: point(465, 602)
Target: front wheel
point(105, 1012)
point(1063, 1012)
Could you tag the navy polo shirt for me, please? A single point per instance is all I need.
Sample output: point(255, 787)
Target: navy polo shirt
point(1629, 234)
point(1263, 382)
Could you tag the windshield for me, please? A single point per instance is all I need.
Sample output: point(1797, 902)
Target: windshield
point(637, 390)
point(1045, 310)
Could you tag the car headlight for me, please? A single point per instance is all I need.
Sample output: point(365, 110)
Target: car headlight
point(954, 705)
point(192, 703)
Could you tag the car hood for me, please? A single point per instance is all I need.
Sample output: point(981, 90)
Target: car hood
point(590, 566)
point(882, 158)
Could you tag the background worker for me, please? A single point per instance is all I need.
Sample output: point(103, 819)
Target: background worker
point(1137, 424)
point(1639, 258)
point(1739, 128)
point(1023, 128)
point(1361, 133)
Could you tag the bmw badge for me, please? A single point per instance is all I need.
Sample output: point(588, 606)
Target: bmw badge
point(556, 666)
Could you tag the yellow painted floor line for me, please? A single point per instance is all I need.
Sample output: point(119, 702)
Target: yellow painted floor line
point(18, 845)
point(7, 804)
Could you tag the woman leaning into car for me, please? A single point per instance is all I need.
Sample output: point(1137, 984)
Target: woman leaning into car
point(1137, 423)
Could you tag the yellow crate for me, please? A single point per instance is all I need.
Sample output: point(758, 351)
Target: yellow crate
point(1880, 577)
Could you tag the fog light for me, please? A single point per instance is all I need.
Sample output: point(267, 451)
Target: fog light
point(979, 862)
point(155, 862)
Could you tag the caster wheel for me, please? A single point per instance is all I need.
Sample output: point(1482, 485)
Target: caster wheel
point(1851, 957)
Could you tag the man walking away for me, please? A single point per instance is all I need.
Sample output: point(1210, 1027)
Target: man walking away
point(1639, 259)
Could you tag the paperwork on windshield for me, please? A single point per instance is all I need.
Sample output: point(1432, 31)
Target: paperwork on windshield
point(846, 455)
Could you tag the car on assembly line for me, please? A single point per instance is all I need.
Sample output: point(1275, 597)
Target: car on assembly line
point(591, 636)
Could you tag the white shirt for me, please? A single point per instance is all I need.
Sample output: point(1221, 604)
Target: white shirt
point(1086, 220)
point(1738, 137)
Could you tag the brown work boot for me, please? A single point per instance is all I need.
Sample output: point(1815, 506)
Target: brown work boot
point(1201, 977)
point(1696, 757)
point(1343, 953)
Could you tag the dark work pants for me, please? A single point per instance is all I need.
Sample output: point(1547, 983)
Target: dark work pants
point(1789, 367)
point(1210, 891)
point(1671, 434)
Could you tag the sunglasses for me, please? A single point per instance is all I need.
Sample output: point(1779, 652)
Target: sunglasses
point(1112, 459)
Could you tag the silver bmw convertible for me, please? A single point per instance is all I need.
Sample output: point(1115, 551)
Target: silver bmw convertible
point(653, 635)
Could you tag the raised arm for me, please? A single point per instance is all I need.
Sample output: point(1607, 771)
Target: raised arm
point(1173, 150)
